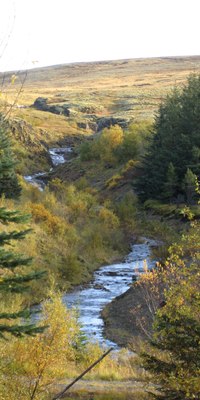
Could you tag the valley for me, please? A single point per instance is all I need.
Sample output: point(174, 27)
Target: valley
point(106, 156)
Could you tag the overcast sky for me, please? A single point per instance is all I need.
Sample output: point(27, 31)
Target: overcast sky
point(46, 32)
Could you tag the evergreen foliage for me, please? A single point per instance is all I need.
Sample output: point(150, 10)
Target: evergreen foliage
point(176, 143)
point(190, 186)
point(171, 182)
point(13, 279)
point(9, 185)
point(174, 354)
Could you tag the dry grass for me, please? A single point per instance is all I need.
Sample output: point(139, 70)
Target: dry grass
point(126, 87)
point(130, 89)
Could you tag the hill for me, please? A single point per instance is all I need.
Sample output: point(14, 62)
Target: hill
point(126, 86)
point(94, 95)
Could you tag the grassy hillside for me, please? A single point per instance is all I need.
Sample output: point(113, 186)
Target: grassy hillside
point(126, 89)
point(90, 210)
point(137, 79)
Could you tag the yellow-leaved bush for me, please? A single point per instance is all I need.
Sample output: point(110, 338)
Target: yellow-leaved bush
point(31, 365)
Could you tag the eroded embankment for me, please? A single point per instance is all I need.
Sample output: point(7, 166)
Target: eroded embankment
point(122, 323)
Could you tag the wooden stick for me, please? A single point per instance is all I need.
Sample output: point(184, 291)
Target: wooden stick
point(59, 395)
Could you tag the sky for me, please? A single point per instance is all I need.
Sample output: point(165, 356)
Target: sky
point(36, 33)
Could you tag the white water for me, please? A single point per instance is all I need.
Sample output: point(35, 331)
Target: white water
point(58, 156)
point(109, 282)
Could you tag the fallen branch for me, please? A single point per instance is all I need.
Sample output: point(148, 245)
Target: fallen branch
point(59, 395)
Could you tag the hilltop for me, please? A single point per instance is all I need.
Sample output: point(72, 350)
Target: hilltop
point(118, 87)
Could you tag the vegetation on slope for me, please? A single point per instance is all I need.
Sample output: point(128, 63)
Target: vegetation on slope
point(169, 311)
point(83, 216)
point(173, 292)
point(95, 94)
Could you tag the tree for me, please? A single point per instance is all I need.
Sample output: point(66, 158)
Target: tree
point(173, 354)
point(176, 140)
point(171, 182)
point(13, 277)
point(9, 185)
point(107, 144)
point(190, 186)
point(174, 358)
point(135, 141)
point(31, 366)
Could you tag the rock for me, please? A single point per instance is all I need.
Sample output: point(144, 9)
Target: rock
point(88, 109)
point(41, 104)
point(92, 126)
point(83, 125)
point(107, 122)
point(100, 287)
point(60, 110)
point(110, 273)
point(134, 278)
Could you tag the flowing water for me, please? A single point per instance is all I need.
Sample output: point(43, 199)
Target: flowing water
point(58, 156)
point(109, 281)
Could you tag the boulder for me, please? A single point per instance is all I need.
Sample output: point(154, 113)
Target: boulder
point(41, 104)
point(107, 122)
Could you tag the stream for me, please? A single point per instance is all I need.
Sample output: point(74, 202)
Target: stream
point(58, 156)
point(109, 281)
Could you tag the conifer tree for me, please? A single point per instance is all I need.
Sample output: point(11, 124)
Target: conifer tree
point(176, 140)
point(9, 185)
point(171, 182)
point(11, 278)
point(190, 186)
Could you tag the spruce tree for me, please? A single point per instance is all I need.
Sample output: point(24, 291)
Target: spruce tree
point(9, 185)
point(171, 183)
point(176, 140)
point(12, 280)
point(190, 186)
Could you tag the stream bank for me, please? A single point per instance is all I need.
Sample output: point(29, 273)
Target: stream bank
point(121, 320)
point(109, 281)
point(58, 155)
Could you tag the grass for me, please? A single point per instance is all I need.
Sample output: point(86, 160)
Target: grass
point(128, 89)
point(113, 395)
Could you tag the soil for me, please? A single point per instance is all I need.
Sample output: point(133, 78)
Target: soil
point(86, 389)
point(121, 318)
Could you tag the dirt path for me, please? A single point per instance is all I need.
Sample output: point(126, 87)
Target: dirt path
point(86, 388)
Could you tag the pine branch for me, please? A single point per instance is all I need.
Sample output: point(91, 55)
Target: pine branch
point(6, 237)
point(7, 216)
point(21, 330)
point(16, 283)
point(11, 260)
